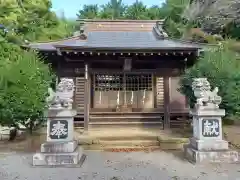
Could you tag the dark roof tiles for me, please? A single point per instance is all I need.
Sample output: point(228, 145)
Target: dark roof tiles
point(132, 40)
point(121, 35)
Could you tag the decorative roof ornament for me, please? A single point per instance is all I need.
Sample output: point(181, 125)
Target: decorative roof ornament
point(158, 29)
point(83, 36)
point(206, 99)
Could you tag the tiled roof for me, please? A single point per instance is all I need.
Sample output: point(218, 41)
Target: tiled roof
point(131, 40)
point(121, 35)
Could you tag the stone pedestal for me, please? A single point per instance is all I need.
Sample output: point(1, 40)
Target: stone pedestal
point(60, 148)
point(207, 144)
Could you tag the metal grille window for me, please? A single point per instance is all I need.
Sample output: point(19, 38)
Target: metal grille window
point(139, 82)
point(111, 90)
point(121, 82)
point(105, 82)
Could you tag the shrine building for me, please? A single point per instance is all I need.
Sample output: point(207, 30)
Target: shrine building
point(126, 73)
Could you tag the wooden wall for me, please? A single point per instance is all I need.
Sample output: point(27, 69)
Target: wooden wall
point(177, 100)
point(166, 74)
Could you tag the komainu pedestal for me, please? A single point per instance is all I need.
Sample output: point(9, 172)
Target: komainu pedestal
point(207, 144)
point(60, 148)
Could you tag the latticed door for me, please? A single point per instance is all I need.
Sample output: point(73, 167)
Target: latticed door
point(111, 90)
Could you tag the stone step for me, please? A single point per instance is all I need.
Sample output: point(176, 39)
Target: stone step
point(126, 114)
point(110, 148)
point(130, 143)
point(141, 125)
point(128, 137)
point(119, 134)
point(124, 123)
point(126, 118)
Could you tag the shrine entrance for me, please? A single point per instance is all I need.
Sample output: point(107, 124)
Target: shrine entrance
point(123, 89)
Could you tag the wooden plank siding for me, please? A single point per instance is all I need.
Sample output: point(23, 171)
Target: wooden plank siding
point(177, 99)
point(79, 94)
point(179, 109)
point(159, 92)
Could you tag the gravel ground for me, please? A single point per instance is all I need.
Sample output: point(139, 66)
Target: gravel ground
point(117, 166)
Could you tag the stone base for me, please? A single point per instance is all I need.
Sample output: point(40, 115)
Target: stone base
point(224, 156)
point(59, 147)
point(71, 159)
point(208, 145)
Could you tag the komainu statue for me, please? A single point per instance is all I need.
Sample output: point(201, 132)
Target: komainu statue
point(62, 98)
point(205, 97)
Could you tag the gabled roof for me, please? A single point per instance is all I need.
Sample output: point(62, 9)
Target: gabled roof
point(118, 35)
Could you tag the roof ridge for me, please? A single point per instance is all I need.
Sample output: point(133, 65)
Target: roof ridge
point(122, 20)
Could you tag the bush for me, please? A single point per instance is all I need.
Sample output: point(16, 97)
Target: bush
point(221, 67)
point(24, 80)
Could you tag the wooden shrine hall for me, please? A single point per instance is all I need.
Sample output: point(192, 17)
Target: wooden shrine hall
point(126, 72)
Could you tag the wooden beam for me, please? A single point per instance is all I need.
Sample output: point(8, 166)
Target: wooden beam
point(160, 71)
point(86, 98)
point(166, 85)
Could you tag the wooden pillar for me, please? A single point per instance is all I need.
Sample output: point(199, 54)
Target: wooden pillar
point(124, 89)
point(166, 85)
point(86, 98)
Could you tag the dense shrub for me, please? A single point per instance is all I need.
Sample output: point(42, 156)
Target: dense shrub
point(24, 80)
point(221, 67)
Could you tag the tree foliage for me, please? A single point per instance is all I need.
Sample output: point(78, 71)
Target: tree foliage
point(32, 20)
point(214, 16)
point(24, 80)
point(221, 67)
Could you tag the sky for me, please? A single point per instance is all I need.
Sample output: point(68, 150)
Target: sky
point(71, 7)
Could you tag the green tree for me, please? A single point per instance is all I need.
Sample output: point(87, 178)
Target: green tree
point(24, 80)
point(88, 12)
point(137, 11)
point(221, 67)
point(175, 25)
point(32, 20)
point(114, 9)
point(154, 12)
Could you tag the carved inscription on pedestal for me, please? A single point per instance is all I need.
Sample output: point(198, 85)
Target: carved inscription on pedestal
point(210, 128)
point(58, 129)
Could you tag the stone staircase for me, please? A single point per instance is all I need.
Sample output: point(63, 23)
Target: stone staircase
point(119, 138)
point(128, 139)
point(128, 131)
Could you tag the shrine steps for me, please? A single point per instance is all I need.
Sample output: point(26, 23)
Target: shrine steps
point(128, 139)
point(119, 139)
point(133, 119)
point(128, 119)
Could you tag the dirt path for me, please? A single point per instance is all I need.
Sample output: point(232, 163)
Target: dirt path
point(232, 134)
point(117, 166)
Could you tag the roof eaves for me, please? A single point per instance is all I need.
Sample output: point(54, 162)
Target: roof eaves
point(88, 48)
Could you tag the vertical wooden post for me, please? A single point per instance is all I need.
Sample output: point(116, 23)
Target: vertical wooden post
point(166, 101)
point(86, 99)
point(124, 89)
